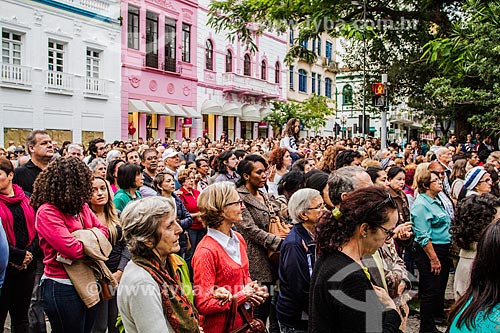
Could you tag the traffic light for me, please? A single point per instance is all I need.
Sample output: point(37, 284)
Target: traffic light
point(378, 89)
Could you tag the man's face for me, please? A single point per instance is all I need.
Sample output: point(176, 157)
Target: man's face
point(453, 139)
point(474, 159)
point(232, 163)
point(185, 148)
point(173, 162)
point(192, 149)
point(469, 137)
point(101, 149)
point(129, 147)
point(204, 168)
point(150, 162)
point(75, 153)
point(445, 157)
point(43, 148)
point(135, 145)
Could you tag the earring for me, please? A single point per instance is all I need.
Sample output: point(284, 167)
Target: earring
point(364, 236)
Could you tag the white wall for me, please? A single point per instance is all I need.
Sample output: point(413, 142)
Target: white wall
point(35, 108)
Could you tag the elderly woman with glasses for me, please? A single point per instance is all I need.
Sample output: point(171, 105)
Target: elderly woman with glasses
point(431, 226)
point(296, 263)
point(342, 293)
point(477, 181)
point(221, 260)
point(153, 295)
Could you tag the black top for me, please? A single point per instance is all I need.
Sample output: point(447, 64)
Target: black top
point(18, 252)
point(342, 299)
point(120, 255)
point(25, 176)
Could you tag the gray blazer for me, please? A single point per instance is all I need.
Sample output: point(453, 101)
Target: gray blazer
point(254, 230)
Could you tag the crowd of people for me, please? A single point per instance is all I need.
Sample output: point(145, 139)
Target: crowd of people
point(316, 234)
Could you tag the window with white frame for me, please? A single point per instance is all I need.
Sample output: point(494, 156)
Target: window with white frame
point(313, 82)
point(246, 65)
point(56, 56)
point(328, 87)
point(133, 28)
point(277, 72)
point(11, 47)
point(229, 61)
point(93, 63)
point(209, 55)
point(151, 40)
point(263, 70)
point(170, 43)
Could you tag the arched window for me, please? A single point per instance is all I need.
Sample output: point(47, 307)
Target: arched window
point(328, 87)
point(277, 72)
point(209, 55)
point(263, 70)
point(302, 80)
point(246, 65)
point(229, 61)
point(347, 95)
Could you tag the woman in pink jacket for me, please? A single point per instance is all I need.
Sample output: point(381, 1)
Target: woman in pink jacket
point(59, 197)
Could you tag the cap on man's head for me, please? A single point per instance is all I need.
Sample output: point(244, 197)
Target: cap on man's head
point(168, 153)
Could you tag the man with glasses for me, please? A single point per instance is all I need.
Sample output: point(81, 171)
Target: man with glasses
point(97, 148)
point(149, 162)
point(444, 156)
point(438, 169)
point(185, 155)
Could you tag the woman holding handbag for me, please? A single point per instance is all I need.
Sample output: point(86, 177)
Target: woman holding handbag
point(220, 259)
point(256, 225)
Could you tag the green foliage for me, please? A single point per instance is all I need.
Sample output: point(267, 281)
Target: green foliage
point(312, 113)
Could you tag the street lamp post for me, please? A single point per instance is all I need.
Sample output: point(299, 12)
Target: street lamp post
point(363, 123)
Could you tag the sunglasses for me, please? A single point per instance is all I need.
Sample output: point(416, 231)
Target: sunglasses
point(388, 200)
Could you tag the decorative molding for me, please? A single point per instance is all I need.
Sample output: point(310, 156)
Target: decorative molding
point(165, 4)
point(37, 17)
point(112, 35)
point(135, 81)
point(170, 88)
point(186, 90)
point(77, 28)
point(187, 15)
point(14, 22)
point(59, 34)
point(95, 43)
point(153, 85)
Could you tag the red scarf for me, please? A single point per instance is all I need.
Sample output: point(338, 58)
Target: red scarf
point(19, 198)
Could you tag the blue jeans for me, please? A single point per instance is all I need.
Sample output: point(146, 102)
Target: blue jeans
point(65, 309)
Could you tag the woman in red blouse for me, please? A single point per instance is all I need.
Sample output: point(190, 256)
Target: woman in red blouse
point(189, 197)
point(221, 260)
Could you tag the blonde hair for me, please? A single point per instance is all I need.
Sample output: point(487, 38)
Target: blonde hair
point(212, 201)
point(110, 218)
point(420, 172)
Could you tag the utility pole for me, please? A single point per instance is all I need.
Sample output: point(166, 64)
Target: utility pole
point(384, 112)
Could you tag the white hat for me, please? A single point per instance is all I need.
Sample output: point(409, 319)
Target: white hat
point(473, 177)
point(168, 153)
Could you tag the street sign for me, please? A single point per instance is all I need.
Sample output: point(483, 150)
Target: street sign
point(380, 101)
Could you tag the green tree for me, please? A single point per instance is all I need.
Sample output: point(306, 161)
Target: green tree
point(280, 114)
point(314, 112)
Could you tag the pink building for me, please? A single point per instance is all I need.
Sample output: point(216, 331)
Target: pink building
point(159, 70)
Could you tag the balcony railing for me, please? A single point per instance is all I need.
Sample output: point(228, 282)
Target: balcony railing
point(16, 75)
point(97, 6)
point(252, 85)
point(59, 81)
point(152, 60)
point(95, 86)
point(170, 65)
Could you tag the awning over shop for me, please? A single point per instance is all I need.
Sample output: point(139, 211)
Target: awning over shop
point(211, 107)
point(158, 108)
point(136, 105)
point(231, 110)
point(191, 112)
point(176, 110)
point(250, 113)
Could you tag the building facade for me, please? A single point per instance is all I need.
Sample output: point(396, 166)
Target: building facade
point(159, 69)
point(60, 69)
point(235, 85)
point(318, 78)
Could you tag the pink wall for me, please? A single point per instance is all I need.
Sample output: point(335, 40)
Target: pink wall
point(152, 84)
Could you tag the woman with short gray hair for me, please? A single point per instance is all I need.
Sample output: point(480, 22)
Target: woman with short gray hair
point(155, 293)
point(98, 166)
point(297, 260)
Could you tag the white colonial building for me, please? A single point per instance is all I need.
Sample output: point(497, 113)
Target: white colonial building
point(60, 69)
point(235, 85)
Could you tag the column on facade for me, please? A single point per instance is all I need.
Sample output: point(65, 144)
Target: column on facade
point(197, 129)
point(161, 128)
point(178, 128)
point(218, 127)
point(237, 127)
point(142, 125)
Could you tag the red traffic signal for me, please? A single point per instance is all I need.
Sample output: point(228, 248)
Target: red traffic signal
point(378, 89)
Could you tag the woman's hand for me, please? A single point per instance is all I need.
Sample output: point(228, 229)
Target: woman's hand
point(401, 288)
point(403, 231)
point(255, 294)
point(271, 173)
point(223, 294)
point(435, 266)
point(384, 297)
point(118, 275)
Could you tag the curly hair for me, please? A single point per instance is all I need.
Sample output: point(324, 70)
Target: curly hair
point(358, 208)
point(327, 163)
point(472, 215)
point(183, 176)
point(276, 157)
point(66, 183)
point(290, 128)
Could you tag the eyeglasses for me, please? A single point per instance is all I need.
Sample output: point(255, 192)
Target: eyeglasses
point(389, 233)
point(318, 207)
point(442, 173)
point(488, 180)
point(436, 181)
point(239, 202)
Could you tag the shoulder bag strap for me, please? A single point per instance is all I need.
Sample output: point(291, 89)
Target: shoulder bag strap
point(231, 315)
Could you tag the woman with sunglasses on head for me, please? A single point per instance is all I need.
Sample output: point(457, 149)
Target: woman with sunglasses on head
point(431, 226)
point(221, 260)
point(342, 294)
